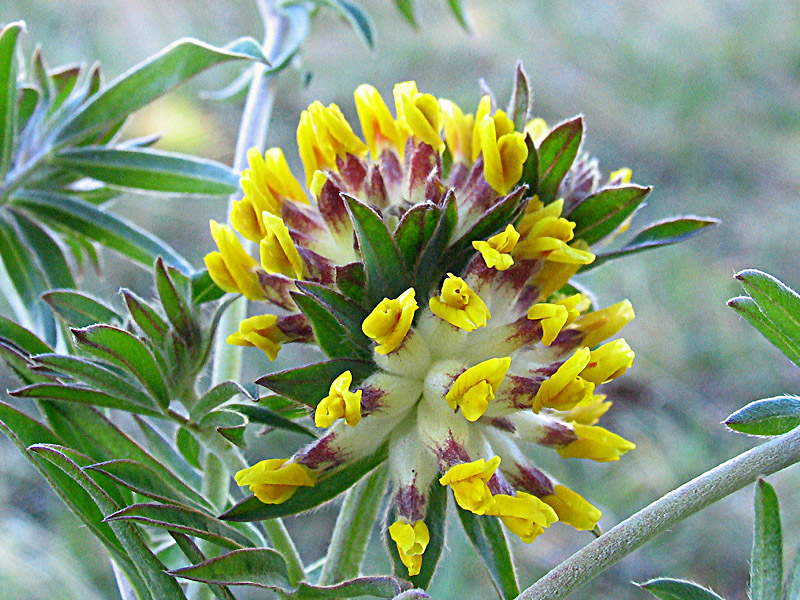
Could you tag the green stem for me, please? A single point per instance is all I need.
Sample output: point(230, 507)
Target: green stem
point(665, 513)
point(353, 528)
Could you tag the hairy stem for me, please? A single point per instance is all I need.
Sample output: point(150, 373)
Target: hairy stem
point(664, 514)
point(353, 528)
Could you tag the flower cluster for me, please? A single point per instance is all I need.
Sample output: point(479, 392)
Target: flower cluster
point(435, 252)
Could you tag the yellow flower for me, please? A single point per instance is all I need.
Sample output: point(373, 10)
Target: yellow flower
point(496, 251)
point(621, 176)
point(259, 331)
point(232, 268)
point(597, 444)
point(604, 323)
point(459, 305)
point(458, 129)
point(573, 509)
point(608, 362)
point(544, 234)
point(564, 389)
point(339, 403)
point(411, 540)
point(484, 108)
point(554, 317)
point(274, 481)
point(278, 252)
point(588, 413)
point(420, 113)
point(504, 154)
point(379, 127)
point(468, 482)
point(476, 387)
point(523, 514)
point(390, 321)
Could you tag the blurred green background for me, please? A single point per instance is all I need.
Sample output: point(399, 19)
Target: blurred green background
point(701, 99)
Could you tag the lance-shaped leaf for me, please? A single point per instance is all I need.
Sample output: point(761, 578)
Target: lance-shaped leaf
point(351, 281)
point(519, 106)
point(602, 212)
point(28, 100)
point(8, 91)
point(53, 263)
point(766, 562)
point(310, 384)
point(457, 8)
point(372, 586)
point(662, 233)
point(748, 308)
point(768, 417)
point(165, 452)
point(204, 289)
point(779, 303)
point(298, 21)
point(149, 482)
point(127, 351)
point(435, 257)
point(195, 556)
point(22, 338)
point(356, 17)
point(79, 309)
point(487, 536)
point(160, 584)
point(229, 424)
point(260, 567)
point(415, 229)
point(175, 303)
point(183, 519)
point(145, 316)
point(149, 170)
point(75, 215)
point(406, 8)
point(326, 487)
point(435, 520)
point(677, 589)
point(219, 394)
point(386, 275)
point(150, 79)
point(188, 446)
point(347, 312)
point(556, 154)
point(83, 395)
point(270, 418)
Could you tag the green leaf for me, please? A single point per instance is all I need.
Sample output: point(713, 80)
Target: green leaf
point(655, 235)
point(182, 519)
point(768, 417)
point(351, 281)
point(127, 351)
point(435, 519)
point(145, 316)
point(298, 22)
point(63, 212)
point(374, 586)
point(415, 229)
point(406, 8)
point(677, 589)
point(486, 535)
point(519, 106)
point(347, 312)
point(204, 289)
point(556, 155)
point(152, 571)
point(357, 18)
point(150, 170)
point(165, 451)
point(146, 481)
point(82, 395)
point(605, 210)
point(779, 303)
point(27, 102)
point(21, 337)
point(150, 79)
point(457, 8)
point(229, 424)
point(188, 446)
point(219, 394)
point(310, 384)
point(327, 486)
point(748, 308)
point(386, 275)
point(8, 92)
point(53, 263)
point(175, 303)
point(260, 567)
point(766, 562)
point(94, 375)
point(79, 309)
point(265, 416)
point(195, 556)
point(435, 258)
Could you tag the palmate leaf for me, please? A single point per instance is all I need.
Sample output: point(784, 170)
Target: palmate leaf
point(768, 417)
point(766, 561)
point(487, 536)
point(328, 486)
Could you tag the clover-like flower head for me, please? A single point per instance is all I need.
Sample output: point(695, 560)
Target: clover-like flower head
point(432, 263)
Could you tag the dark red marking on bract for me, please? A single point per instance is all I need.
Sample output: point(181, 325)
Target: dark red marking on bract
point(532, 480)
point(410, 502)
point(321, 453)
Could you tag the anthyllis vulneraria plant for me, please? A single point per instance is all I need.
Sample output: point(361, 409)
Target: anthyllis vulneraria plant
point(431, 261)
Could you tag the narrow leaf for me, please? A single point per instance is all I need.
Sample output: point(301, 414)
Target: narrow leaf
point(768, 417)
point(779, 303)
point(150, 79)
point(145, 316)
point(519, 106)
point(204, 289)
point(62, 212)
point(310, 384)
point(748, 308)
point(185, 520)
point(602, 212)
point(457, 8)
point(79, 309)
point(486, 535)
point(149, 170)
point(406, 8)
point(556, 154)
point(415, 229)
point(327, 487)
point(766, 562)
point(357, 18)
point(21, 337)
point(55, 267)
point(677, 589)
point(165, 452)
point(334, 338)
point(219, 394)
point(372, 586)
point(432, 264)
point(8, 92)
point(270, 418)
point(260, 567)
point(298, 21)
point(83, 395)
point(174, 303)
point(188, 446)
